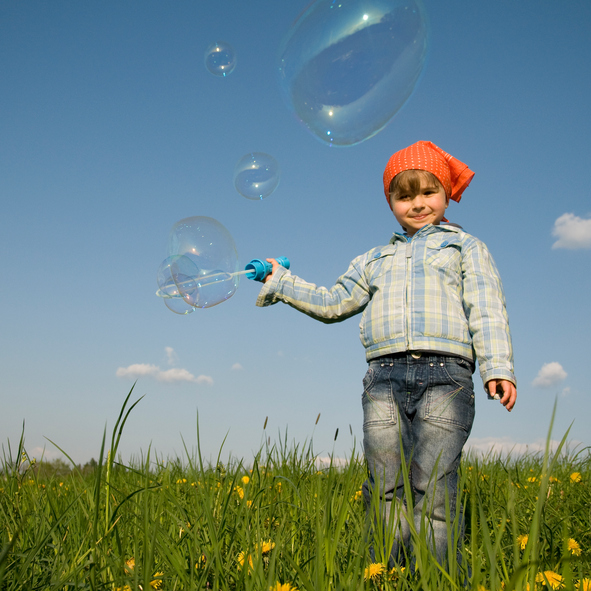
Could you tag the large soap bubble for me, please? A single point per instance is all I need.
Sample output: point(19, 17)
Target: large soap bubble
point(220, 58)
point(205, 270)
point(168, 290)
point(256, 175)
point(346, 67)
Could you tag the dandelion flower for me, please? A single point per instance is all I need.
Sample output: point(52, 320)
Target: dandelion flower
point(245, 480)
point(243, 557)
point(282, 587)
point(576, 477)
point(266, 547)
point(373, 571)
point(157, 582)
point(522, 541)
point(181, 481)
point(574, 547)
point(549, 577)
point(532, 479)
point(239, 491)
point(130, 564)
point(584, 585)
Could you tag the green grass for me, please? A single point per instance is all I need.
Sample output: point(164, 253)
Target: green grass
point(282, 519)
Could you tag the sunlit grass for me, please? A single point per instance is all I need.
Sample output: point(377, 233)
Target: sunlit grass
point(283, 522)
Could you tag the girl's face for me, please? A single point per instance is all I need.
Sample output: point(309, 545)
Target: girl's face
point(415, 208)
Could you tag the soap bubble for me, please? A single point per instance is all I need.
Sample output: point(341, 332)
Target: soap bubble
point(204, 271)
point(256, 175)
point(168, 289)
point(346, 67)
point(220, 58)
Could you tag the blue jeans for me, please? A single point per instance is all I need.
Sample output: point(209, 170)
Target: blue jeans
point(425, 402)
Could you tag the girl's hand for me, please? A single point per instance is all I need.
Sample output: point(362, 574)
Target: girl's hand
point(505, 390)
point(275, 266)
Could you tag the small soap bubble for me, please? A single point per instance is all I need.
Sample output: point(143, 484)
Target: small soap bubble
point(347, 67)
point(204, 271)
point(256, 175)
point(220, 59)
point(168, 289)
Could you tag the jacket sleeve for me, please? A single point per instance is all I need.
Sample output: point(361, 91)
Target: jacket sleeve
point(484, 306)
point(347, 297)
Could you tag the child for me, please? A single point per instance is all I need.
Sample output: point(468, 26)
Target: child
point(432, 304)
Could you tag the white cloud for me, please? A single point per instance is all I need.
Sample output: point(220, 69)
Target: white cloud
point(550, 374)
point(204, 380)
point(572, 232)
point(505, 446)
point(171, 356)
point(173, 375)
point(137, 370)
point(237, 367)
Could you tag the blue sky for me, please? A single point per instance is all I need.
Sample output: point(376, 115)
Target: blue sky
point(112, 130)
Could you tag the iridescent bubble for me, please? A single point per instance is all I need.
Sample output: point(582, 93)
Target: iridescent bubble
point(168, 290)
point(206, 267)
point(220, 58)
point(256, 175)
point(346, 67)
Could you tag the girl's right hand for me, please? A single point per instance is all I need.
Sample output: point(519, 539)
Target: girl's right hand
point(275, 266)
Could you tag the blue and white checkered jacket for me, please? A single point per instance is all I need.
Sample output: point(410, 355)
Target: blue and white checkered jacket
point(438, 291)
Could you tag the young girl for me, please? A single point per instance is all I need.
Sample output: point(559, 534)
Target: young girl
point(432, 304)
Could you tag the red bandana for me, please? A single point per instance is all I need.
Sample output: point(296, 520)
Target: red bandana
point(453, 175)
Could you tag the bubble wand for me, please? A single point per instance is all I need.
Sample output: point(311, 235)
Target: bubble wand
point(256, 270)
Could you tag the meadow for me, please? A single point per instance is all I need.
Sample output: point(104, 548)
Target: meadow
point(285, 522)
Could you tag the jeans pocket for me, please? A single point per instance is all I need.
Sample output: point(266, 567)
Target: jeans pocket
point(377, 400)
point(450, 396)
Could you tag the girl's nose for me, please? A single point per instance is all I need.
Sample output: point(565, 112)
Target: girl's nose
point(418, 203)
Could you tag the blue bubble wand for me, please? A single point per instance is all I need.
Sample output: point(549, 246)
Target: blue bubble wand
point(183, 292)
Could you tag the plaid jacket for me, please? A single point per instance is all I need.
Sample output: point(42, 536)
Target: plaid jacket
point(437, 291)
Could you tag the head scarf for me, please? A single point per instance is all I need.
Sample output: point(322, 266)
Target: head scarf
point(453, 175)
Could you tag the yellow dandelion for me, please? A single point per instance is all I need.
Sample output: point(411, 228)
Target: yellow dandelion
point(249, 503)
point(584, 585)
point(522, 541)
point(549, 577)
point(481, 588)
point(157, 582)
point(245, 480)
point(266, 547)
point(395, 572)
point(574, 547)
point(373, 571)
point(124, 588)
point(576, 477)
point(239, 491)
point(243, 557)
point(130, 563)
point(282, 587)
point(181, 481)
point(532, 479)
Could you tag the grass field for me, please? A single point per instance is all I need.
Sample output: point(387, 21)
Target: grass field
point(283, 522)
